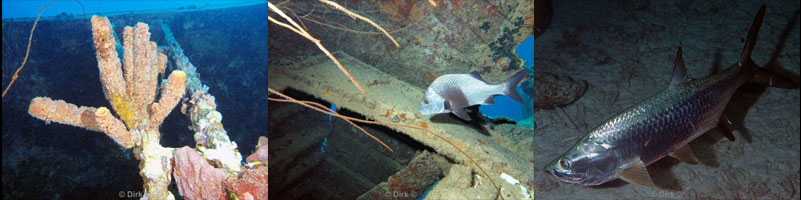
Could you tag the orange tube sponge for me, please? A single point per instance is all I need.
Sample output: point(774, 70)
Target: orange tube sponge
point(62, 112)
point(115, 129)
point(171, 93)
point(133, 94)
point(128, 59)
point(144, 89)
point(107, 60)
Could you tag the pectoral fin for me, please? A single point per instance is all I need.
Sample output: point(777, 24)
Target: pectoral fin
point(457, 102)
point(684, 154)
point(461, 113)
point(637, 174)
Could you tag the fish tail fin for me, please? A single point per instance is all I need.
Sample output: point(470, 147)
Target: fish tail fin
point(510, 86)
point(761, 75)
point(745, 56)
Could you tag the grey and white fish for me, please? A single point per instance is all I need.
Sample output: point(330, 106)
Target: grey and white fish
point(663, 124)
point(455, 92)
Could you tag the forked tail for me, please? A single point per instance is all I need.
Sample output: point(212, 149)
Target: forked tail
point(510, 86)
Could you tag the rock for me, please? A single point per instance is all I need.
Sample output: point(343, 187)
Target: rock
point(556, 91)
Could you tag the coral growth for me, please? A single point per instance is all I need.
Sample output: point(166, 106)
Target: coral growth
point(131, 97)
point(401, 12)
point(196, 179)
point(131, 88)
point(261, 151)
point(252, 185)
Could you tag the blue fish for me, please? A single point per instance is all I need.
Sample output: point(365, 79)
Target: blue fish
point(333, 110)
point(325, 143)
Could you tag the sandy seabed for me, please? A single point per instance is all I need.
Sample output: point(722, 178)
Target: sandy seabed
point(625, 51)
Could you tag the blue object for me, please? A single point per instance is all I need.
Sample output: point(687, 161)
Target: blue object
point(26, 8)
point(508, 108)
point(333, 110)
point(428, 190)
point(325, 144)
point(526, 51)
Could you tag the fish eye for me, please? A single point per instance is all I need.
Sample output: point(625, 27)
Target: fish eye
point(564, 164)
point(425, 99)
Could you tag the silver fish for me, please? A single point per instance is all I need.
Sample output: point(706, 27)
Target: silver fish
point(661, 125)
point(455, 92)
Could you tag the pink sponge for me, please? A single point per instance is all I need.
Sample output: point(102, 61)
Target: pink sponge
point(252, 184)
point(195, 177)
point(261, 151)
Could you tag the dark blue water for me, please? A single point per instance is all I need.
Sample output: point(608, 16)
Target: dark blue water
point(47, 161)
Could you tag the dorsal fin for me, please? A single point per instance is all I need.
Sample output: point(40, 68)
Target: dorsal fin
point(679, 71)
point(475, 74)
point(750, 41)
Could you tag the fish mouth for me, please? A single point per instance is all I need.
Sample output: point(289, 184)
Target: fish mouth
point(563, 177)
point(570, 179)
point(567, 179)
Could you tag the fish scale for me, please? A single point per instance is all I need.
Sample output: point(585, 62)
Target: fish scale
point(659, 125)
point(663, 124)
point(673, 117)
point(454, 92)
point(471, 87)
